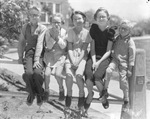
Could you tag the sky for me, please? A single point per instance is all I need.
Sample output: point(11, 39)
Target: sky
point(129, 9)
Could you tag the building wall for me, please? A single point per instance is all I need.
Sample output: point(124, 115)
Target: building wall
point(63, 8)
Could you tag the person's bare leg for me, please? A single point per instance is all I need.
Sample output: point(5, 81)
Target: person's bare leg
point(47, 82)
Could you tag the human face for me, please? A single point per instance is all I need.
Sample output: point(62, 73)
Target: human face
point(34, 16)
point(102, 18)
point(56, 22)
point(124, 30)
point(78, 20)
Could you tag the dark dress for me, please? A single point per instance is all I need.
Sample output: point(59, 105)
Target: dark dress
point(101, 39)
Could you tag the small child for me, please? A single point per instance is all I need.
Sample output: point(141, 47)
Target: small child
point(123, 58)
point(78, 40)
point(54, 54)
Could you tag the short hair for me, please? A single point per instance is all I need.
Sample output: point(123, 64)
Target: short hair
point(127, 23)
point(78, 12)
point(99, 10)
point(60, 16)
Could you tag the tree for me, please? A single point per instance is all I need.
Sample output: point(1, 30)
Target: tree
point(114, 20)
point(89, 14)
point(11, 19)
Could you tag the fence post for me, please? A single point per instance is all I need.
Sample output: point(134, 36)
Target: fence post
point(137, 89)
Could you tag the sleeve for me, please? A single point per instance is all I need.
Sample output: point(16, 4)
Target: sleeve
point(88, 38)
point(39, 46)
point(132, 52)
point(111, 34)
point(24, 30)
point(70, 36)
point(22, 42)
point(49, 41)
point(92, 30)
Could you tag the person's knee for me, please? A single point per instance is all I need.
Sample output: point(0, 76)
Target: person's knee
point(47, 74)
point(38, 72)
point(89, 84)
point(124, 85)
point(88, 75)
point(79, 77)
point(58, 75)
point(28, 73)
point(109, 71)
point(99, 82)
point(38, 76)
point(98, 77)
point(69, 77)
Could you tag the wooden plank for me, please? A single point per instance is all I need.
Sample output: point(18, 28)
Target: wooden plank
point(55, 97)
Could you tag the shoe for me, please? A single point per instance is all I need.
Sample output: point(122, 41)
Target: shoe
point(86, 106)
point(104, 100)
point(81, 102)
point(68, 101)
point(105, 104)
point(126, 106)
point(45, 96)
point(85, 114)
point(61, 96)
point(39, 100)
point(30, 99)
point(103, 95)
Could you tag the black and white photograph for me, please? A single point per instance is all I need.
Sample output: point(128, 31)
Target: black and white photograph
point(74, 59)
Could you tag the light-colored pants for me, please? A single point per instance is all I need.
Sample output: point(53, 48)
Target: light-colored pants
point(75, 74)
point(114, 66)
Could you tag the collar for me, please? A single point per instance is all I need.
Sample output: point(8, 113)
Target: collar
point(32, 24)
point(125, 38)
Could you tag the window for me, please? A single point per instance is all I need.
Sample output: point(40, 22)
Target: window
point(43, 17)
point(57, 8)
point(50, 6)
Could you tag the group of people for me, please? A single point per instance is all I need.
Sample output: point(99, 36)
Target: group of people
point(88, 56)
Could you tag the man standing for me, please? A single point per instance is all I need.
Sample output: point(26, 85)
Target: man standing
point(30, 34)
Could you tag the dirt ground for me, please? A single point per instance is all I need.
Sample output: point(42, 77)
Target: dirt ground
point(15, 107)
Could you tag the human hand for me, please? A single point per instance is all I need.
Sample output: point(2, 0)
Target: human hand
point(129, 73)
point(75, 64)
point(37, 65)
point(61, 42)
point(95, 66)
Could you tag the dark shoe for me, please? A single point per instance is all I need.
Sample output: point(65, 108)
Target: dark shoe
point(105, 104)
point(30, 99)
point(61, 96)
point(126, 106)
point(85, 114)
point(45, 96)
point(68, 101)
point(81, 102)
point(104, 100)
point(86, 106)
point(39, 100)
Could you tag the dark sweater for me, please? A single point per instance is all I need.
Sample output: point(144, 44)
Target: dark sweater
point(101, 39)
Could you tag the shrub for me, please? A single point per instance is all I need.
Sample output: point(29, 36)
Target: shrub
point(11, 20)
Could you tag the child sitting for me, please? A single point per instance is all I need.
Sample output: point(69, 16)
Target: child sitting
point(123, 58)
